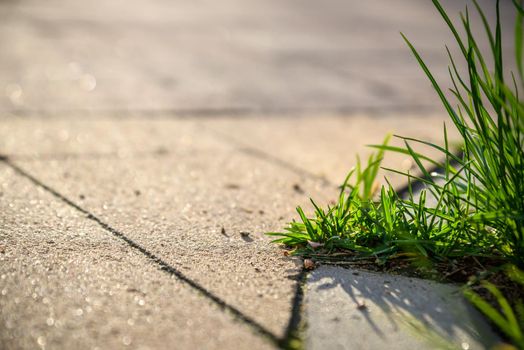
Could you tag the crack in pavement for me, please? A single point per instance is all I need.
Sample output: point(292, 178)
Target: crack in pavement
point(86, 156)
point(237, 112)
point(259, 154)
point(163, 265)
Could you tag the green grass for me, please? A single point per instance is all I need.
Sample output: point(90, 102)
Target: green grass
point(480, 194)
point(479, 210)
point(508, 319)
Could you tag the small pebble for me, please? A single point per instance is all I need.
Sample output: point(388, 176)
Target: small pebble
point(232, 186)
point(362, 306)
point(309, 264)
point(298, 189)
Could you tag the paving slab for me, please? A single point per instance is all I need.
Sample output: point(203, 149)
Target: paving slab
point(202, 207)
point(66, 283)
point(326, 146)
point(355, 309)
point(101, 137)
point(318, 146)
point(62, 55)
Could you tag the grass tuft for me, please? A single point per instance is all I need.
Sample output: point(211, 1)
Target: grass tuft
point(509, 319)
point(479, 210)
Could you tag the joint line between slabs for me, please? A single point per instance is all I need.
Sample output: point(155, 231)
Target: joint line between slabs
point(233, 111)
point(86, 156)
point(293, 327)
point(163, 265)
point(417, 185)
point(256, 153)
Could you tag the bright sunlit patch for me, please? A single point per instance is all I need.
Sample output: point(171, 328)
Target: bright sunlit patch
point(15, 94)
point(88, 82)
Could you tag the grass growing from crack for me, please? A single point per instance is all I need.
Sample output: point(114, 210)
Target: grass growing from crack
point(479, 210)
point(508, 319)
point(480, 195)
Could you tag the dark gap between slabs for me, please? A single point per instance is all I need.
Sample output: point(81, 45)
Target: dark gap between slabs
point(163, 265)
point(293, 328)
point(343, 110)
point(256, 153)
point(66, 155)
point(418, 185)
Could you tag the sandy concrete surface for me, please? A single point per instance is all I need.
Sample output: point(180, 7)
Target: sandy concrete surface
point(354, 309)
point(147, 146)
point(66, 283)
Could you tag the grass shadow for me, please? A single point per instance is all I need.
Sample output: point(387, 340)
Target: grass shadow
point(390, 308)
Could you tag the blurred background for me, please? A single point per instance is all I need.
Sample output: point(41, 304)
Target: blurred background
point(223, 57)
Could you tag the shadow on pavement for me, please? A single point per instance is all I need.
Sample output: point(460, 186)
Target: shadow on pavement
point(391, 306)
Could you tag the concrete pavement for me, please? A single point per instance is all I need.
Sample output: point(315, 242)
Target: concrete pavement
point(179, 196)
point(149, 145)
point(350, 308)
